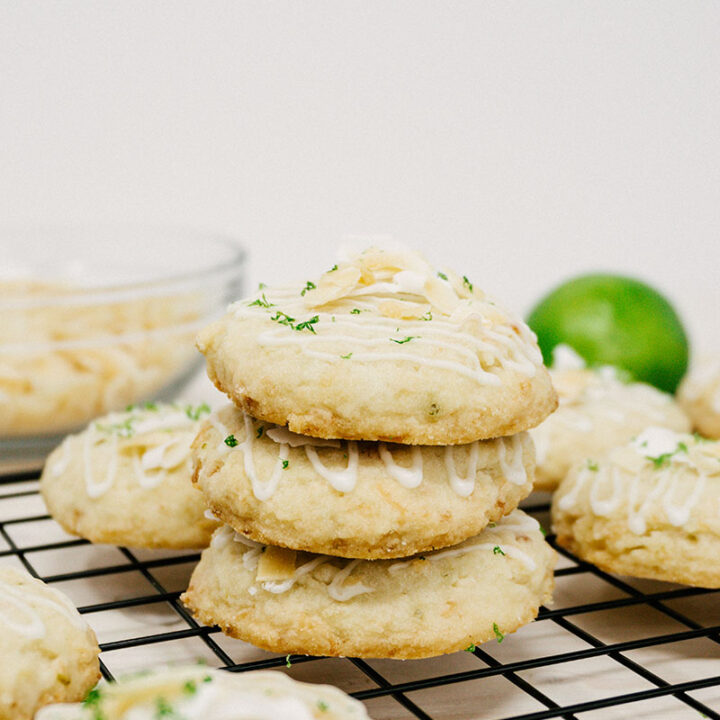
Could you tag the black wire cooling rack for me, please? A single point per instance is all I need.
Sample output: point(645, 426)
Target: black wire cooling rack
point(608, 648)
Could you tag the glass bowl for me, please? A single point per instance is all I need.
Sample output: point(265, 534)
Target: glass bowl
point(98, 318)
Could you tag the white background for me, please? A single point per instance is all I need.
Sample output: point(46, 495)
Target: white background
point(519, 142)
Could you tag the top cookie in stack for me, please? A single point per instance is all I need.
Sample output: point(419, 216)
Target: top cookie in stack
point(381, 347)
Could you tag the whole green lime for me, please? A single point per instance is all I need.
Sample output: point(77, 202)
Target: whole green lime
point(614, 320)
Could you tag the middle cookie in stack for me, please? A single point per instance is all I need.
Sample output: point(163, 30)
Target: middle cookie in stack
point(404, 376)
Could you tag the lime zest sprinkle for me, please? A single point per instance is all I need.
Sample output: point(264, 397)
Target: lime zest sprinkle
point(194, 412)
point(190, 687)
point(498, 635)
point(262, 301)
point(283, 318)
point(308, 324)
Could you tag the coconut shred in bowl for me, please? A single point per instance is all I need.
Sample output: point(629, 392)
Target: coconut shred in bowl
point(95, 319)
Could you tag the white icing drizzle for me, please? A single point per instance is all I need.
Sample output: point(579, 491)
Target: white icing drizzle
point(463, 486)
point(679, 515)
point(172, 420)
point(408, 477)
point(283, 435)
point(510, 345)
point(25, 599)
point(342, 480)
point(113, 431)
point(252, 557)
point(160, 457)
point(261, 490)
point(613, 487)
point(222, 703)
point(474, 372)
point(605, 505)
point(281, 586)
point(513, 471)
point(509, 550)
point(507, 531)
point(216, 695)
point(655, 441)
point(570, 499)
point(636, 518)
point(97, 489)
point(600, 395)
point(341, 592)
point(222, 537)
point(146, 482)
point(516, 523)
point(33, 626)
point(224, 431)
point(345, 480)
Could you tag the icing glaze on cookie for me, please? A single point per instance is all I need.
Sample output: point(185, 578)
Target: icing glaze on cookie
point(146, 432)
point(407, 477)
point(19, 605)
point(503, 535)
point(589, 395)
point(619, 482)
point(509, 451)
point(502, 539)
point(395, 306)
point(201, 692)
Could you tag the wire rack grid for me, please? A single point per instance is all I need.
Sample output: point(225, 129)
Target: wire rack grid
point(609, 647)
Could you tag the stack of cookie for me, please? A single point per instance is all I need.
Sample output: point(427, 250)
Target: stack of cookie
point(369, 470)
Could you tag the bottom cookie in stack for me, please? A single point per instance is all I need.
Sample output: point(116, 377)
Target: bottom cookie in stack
point(430, 604)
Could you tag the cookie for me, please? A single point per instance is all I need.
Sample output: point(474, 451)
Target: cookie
point(199, 693)
point(381, 347)
point(430, 604)
point(49, 653)
point(647, 509)
point(699, 395)
point(126, 479)
point(358, 500)
point(598, 411)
